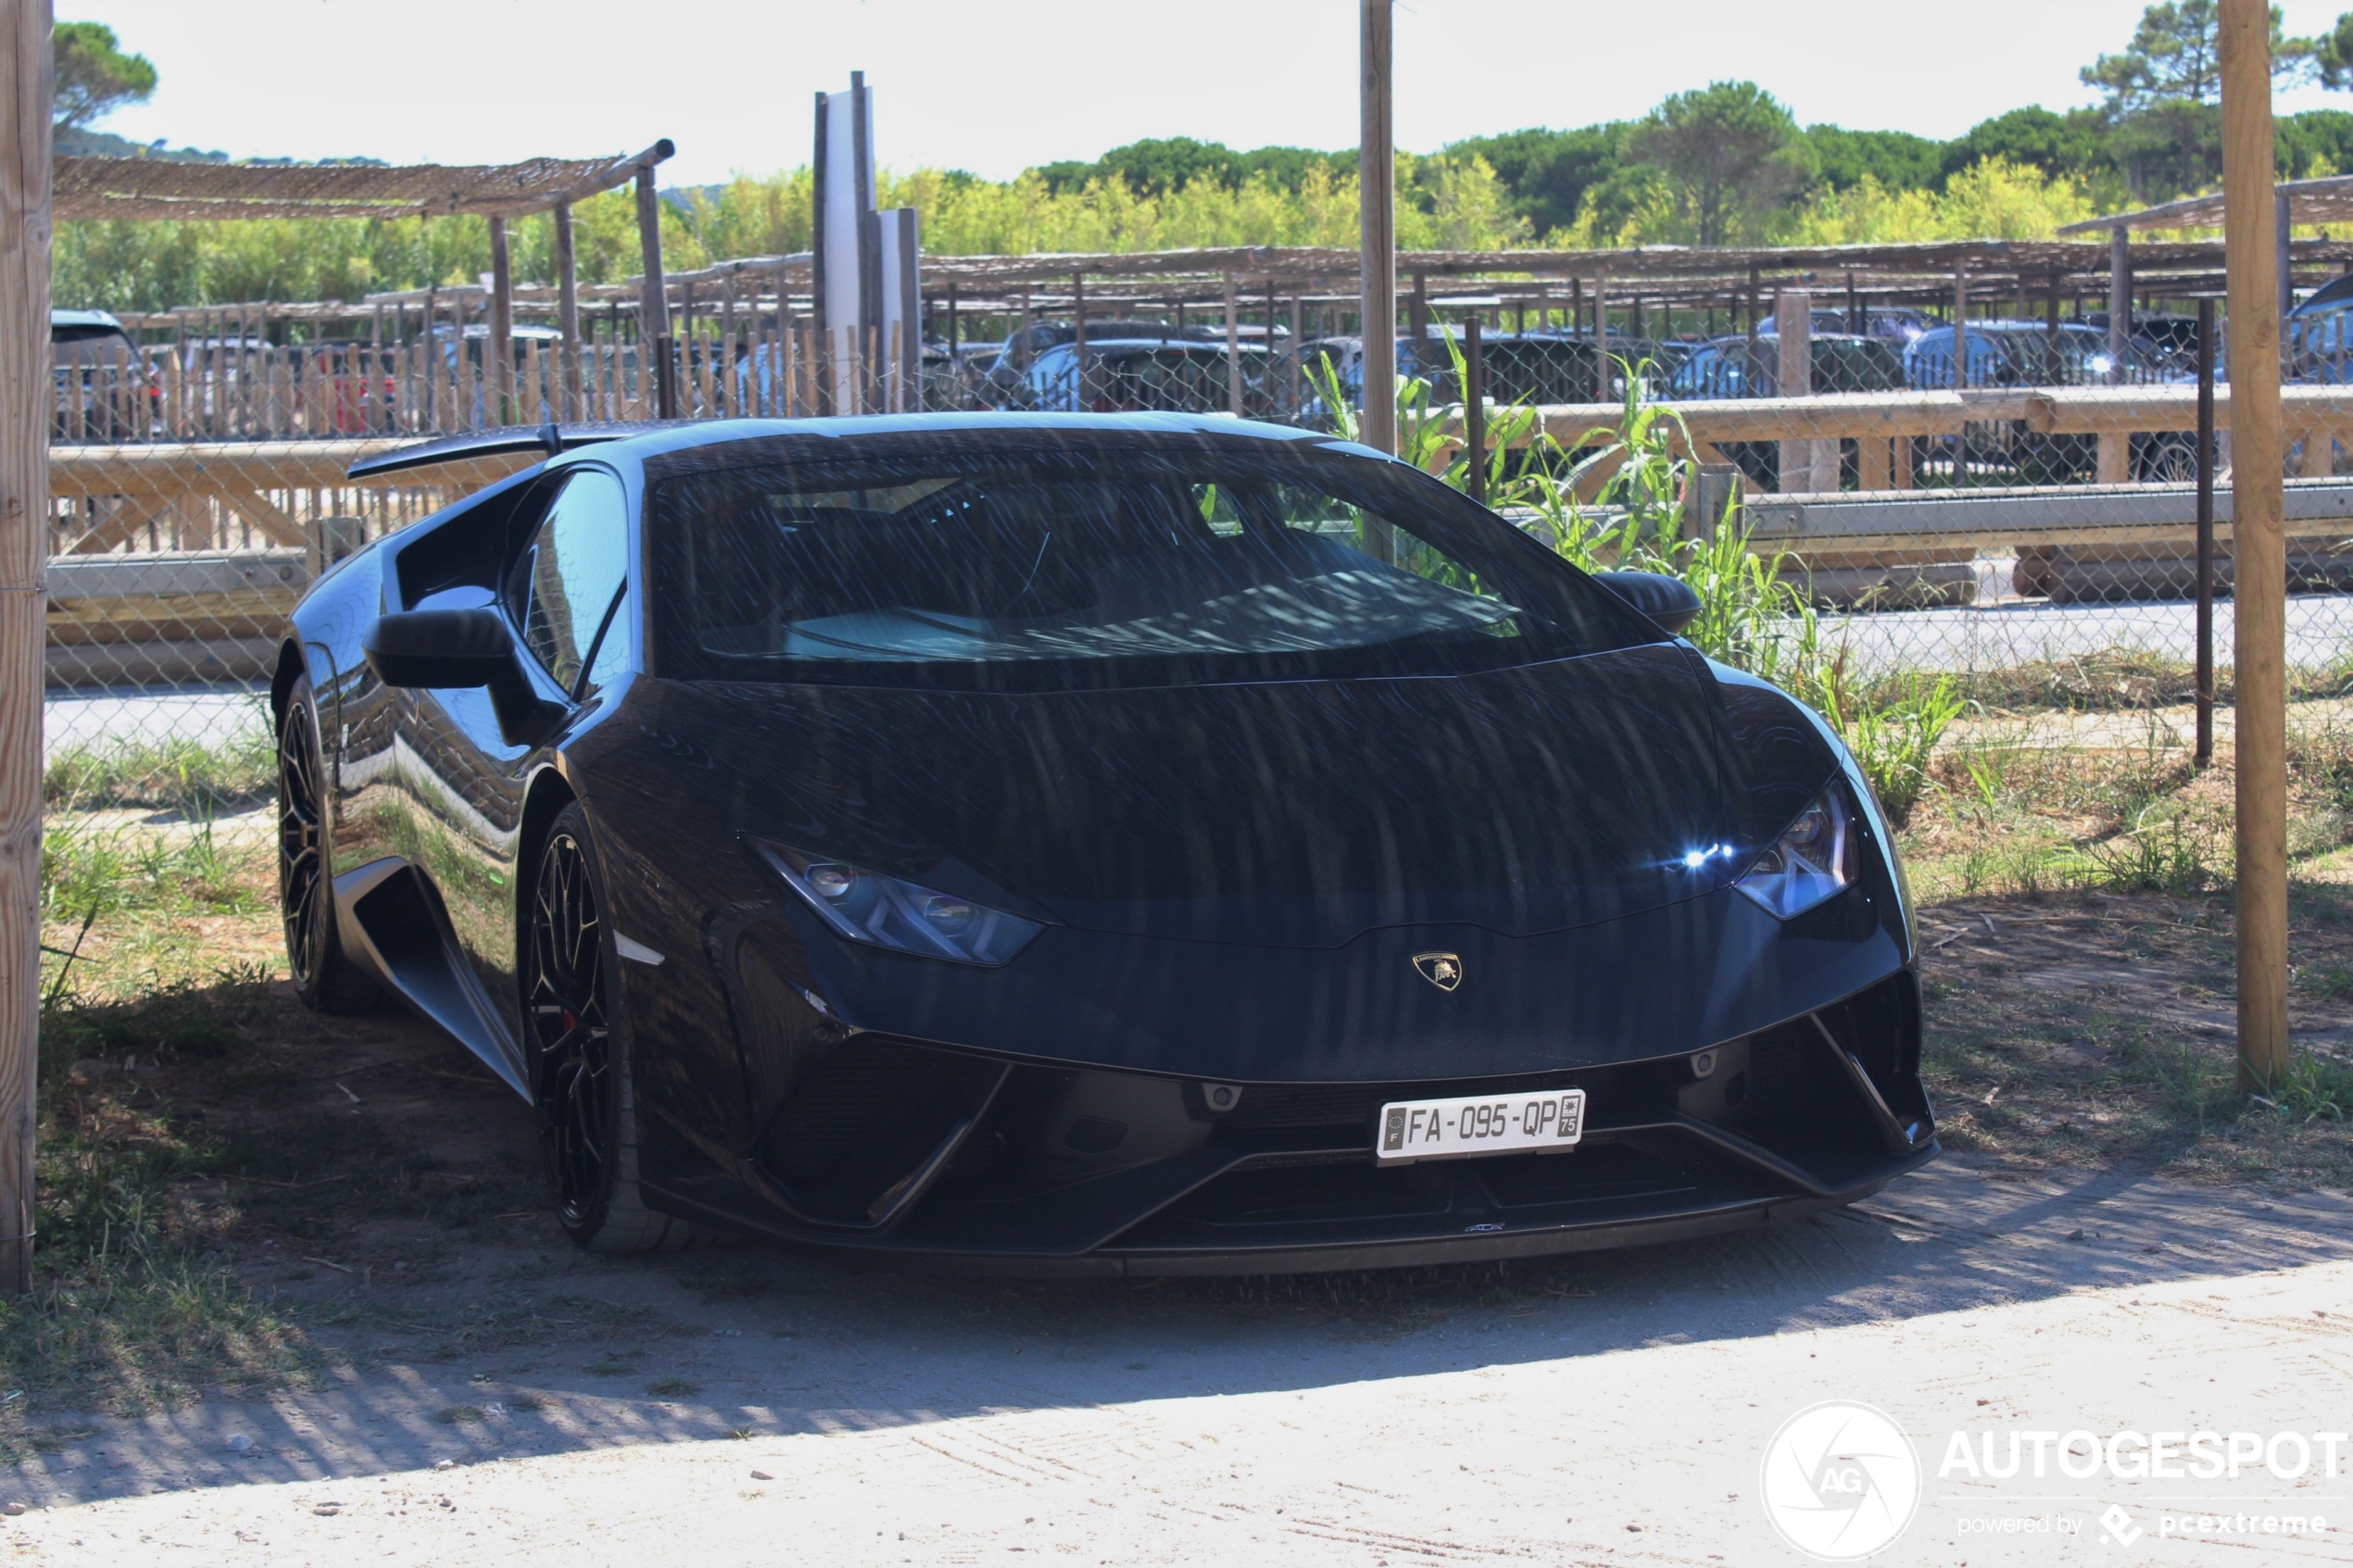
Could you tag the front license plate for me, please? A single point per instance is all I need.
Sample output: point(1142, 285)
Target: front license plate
point(1456, 1129)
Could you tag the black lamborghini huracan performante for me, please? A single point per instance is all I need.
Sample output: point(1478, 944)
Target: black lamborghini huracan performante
point(1121, 844)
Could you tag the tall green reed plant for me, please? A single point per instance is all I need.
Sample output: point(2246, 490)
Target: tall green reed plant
point(1752, 615)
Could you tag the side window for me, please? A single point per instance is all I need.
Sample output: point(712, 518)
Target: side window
point(576, 564)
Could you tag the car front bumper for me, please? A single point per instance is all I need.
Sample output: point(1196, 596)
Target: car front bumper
point(950, 1159)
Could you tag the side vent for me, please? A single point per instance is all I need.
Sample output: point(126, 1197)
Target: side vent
point(863, 1136)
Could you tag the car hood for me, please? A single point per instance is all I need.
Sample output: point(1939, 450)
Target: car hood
point(1298, 814)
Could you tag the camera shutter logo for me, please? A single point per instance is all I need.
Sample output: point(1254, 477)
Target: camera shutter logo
point(1840, 1480)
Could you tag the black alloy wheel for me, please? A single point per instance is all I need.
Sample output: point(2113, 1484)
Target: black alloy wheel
point(302, 893)
point(323, 976)
point(579, 1067)
point(572, 1032)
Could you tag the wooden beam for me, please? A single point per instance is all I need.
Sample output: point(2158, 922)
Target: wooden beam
point(1378, 229)
point(502, 326)
point(2259, 543)
point(2114, 455)
point(653, 300)
point(1376, 254)
point(568, 312)
point(25, 398)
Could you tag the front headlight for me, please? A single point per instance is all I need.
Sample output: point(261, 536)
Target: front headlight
point(1814, 859)
point(887, 911)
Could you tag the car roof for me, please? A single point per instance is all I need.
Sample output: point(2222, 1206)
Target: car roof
point(1188, 345)
point(1730, 338)
point(2336, 291)
point(1005, 429)
point(84, 319)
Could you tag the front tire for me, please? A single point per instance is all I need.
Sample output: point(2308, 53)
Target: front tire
point(324, 977)
point(581, 1067)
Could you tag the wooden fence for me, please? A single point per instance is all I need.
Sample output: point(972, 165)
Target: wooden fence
point(236, 389)
point(177, 561)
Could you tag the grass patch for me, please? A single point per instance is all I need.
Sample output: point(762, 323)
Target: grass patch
point(678, 1387)
point(134, 1307)
point(194, 778)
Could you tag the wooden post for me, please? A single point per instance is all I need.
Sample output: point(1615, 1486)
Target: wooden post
point(1078, 334)
point(1600, 339)
point(501, 343)
point(2283, 224)
point(2259, 543)
point(1960, 331)
point(1794, 377)
point(1376, 228)
point(568, 311)
point(25, 395)
point(2206, 456)
point(1961, 374)
point(2051, 332)
point(1233, 351)
point(2114, 450)
point(1296, 384)
point(653, 301)
point(1474, 411)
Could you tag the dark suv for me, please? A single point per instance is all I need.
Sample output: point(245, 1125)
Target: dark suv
point(106, 391)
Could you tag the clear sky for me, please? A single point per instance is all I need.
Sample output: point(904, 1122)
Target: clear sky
point(996, 85)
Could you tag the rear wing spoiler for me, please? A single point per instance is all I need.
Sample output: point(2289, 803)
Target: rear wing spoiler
point(551, 438)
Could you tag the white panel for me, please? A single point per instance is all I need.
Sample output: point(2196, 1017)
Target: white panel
point(839, 309)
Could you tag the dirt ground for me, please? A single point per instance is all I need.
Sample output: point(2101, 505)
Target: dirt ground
point(386, 1349)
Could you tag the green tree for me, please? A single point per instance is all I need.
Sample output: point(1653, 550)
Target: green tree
point(1896, 160)
point(1730, 157)
point(95, 77)
point(2072, 145)
point(2333, 60)
point(1548, 172)
point(2176, 56)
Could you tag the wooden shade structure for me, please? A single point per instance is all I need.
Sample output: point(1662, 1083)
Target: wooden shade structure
point(155, 190)
point(2308, 202)
point(149, 190)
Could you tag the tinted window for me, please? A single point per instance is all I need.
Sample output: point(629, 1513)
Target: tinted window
point(1069, 570)
point(571, 573)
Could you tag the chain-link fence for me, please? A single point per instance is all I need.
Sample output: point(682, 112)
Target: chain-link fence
point(2027, 505)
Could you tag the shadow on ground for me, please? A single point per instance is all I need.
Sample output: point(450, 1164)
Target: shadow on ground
point(376, 1192)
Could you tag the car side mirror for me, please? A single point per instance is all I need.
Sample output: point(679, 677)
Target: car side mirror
point(1670, 601)
point(461, 648)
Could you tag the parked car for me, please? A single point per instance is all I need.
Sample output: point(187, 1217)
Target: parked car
point(105, 389)
point(1898, 324)
point(1840, 362)
point(1535, 366)
point(1151, 373)
point(1021, 348)
point(2319, 336)
point(2159, 340)
point(2020, 352)
point(1102, 845)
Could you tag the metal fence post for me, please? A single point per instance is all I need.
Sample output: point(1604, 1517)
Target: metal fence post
point(2205, 532)
point(1475, 408)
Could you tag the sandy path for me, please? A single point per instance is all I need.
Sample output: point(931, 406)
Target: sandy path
point(1626, 1426)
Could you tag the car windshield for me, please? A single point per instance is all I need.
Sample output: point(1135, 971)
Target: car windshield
point(1069, 570)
